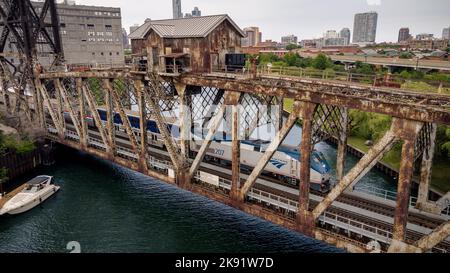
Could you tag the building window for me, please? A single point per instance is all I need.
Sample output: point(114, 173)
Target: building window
point(83, 40)
point(100, 33)
point(108, 27)
point(108, 33)
point(63, 25)
point(90, 26)
point(110, 53)
point(63, 32)
point(117, 53)
point(82, 26)
point(91, 33)
point(102, 54)
point(93, 53)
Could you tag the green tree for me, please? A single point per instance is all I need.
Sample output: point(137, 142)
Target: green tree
point(363, 68)
point(268, 58)
point(291, 47)
point(322, 62)
point(293, 59)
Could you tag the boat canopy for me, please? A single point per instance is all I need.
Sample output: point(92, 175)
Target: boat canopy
point(38, 180)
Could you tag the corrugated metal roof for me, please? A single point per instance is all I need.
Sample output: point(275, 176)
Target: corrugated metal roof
point(183, 28)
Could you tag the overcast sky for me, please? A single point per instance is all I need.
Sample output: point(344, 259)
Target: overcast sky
point(304, 18)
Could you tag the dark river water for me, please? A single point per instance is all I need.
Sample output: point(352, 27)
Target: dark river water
point(107, 208)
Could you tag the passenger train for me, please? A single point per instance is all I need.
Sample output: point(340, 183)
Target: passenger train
point(284, 165)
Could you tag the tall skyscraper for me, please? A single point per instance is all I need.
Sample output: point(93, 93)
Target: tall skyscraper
point(196, 12)
point(365, 28)
point(345, 33)
point(176, 5)
point(446, 34)
point(403, 35)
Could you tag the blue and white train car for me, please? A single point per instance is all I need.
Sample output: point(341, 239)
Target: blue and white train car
point(284, 165)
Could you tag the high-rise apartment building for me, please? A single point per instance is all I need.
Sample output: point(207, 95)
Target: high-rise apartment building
point(196, 12)
point(446, 33)
point(176, 6)
point(403, 35)
point(345, 34)
point(365, 28)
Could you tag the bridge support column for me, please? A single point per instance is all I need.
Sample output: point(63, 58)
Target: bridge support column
point(82, 104)
point(236, 148)
point(143, 152)
point(185, 124)
point(408, 132)
point(425, 176)
point(305, 219)
point(342, 145)
point(110, 119)
point(60, 112)
point(39, 105)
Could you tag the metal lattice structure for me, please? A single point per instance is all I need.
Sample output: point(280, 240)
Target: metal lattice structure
point(25, 35)
point(82, 109)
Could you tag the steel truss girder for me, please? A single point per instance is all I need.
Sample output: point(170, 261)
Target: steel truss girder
point(399, 104)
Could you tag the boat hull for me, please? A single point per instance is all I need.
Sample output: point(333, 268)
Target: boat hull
point(39, 199)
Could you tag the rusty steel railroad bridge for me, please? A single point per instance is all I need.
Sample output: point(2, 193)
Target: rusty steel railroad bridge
point(339, 217)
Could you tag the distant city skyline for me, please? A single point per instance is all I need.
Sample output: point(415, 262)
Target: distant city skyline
point(306, 19)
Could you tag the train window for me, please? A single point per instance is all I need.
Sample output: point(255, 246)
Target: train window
point(256, 149)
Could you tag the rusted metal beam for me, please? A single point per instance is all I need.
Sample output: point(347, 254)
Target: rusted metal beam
point(235, 148)
point(342, 145)
point(39, 105)
point(185, 120)
point(407, 131)
point(360, 170)
point(305, 220)
point(425, 175)
point(69, 106)
point(110, 113)
point(94, 74)
point(93, 108)
point(334, 94)
point(172, 148)
point(433, 239)
point(404, 190)
point(82, 104)
point(208, 139)
point(55, 118)
point(59, 106)
point(280, 136)
point(143, 154)
point(123, 116)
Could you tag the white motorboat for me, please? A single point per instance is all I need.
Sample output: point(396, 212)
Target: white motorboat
point(36, 191)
